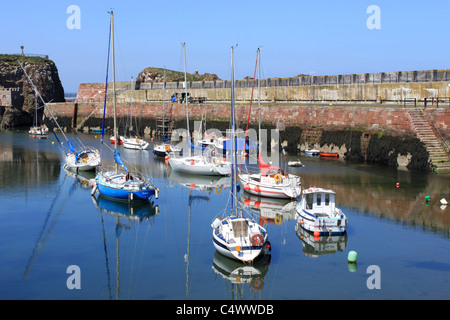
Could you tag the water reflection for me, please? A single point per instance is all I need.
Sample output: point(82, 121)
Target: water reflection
point(198, 182)
point(24, 167)
point(137, 210)
point(382, 192)
point(271, 210)
point(315, 246)
point(126, 214)
point(238, 276)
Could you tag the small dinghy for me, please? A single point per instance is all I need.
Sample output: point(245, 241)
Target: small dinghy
point(312, 152)
point(295, 163)
point(329, 154)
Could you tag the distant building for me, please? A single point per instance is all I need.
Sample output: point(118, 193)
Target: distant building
point(10, 97)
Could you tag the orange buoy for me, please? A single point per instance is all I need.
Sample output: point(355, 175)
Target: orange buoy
point(34, 137)
point(247, 202)
point(192, 162)
point(257, 204)
point(192, 186)
point(257, 189)
point(316, 234)
point(166, 157)
point(246, 186)
point(302, 222)
point(151, 139)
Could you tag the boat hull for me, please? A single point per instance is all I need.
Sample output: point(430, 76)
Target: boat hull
point(284, 190)
point(115, 186)
point(196, 165)
point(85, 160)
point(322, 225)
point(242, 251)
point(312, 152)
point(329, 154)
point(135, 144)
point(165, 150)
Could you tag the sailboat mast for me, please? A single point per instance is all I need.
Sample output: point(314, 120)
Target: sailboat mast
point(114, 86)
point(164, 101)
point(259, 98)
point(186, 97)
point(233, 140)
point(114, 79)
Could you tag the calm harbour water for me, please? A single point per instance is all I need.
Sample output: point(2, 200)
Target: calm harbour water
point(164, 249)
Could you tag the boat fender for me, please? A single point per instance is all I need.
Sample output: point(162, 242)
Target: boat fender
point(256, 239)
point(156, 193)
point(216, 223)
point(278, 178)
point(278, 219)
point(257, 284)
point(94, 188)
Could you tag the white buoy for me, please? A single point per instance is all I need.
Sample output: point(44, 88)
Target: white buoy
point(444, 202)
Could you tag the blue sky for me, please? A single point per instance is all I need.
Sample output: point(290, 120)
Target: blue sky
point(313, 37)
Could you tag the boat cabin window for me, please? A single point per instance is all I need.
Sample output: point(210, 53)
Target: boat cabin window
point(327, 199)
point(319, 196)
point(309, 201)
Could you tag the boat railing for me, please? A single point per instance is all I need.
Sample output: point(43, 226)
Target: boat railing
point(104, 169)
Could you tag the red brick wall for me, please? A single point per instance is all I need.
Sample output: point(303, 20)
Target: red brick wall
point(390, 120)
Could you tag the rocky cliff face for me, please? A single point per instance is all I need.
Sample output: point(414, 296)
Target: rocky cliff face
point(157, 75)
point(43, 73)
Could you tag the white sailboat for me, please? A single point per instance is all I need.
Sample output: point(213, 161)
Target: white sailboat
point(236, 236)
point(269, 181)
point(198, 164)
point(37, 130)
point(119, 183)
point(133, 141)
point(165, 149)
point(78, 159)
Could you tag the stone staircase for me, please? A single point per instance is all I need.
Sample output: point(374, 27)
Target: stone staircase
point(435, 146)
point(95, 110)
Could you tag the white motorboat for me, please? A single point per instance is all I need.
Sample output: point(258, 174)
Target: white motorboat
point(317, 212)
